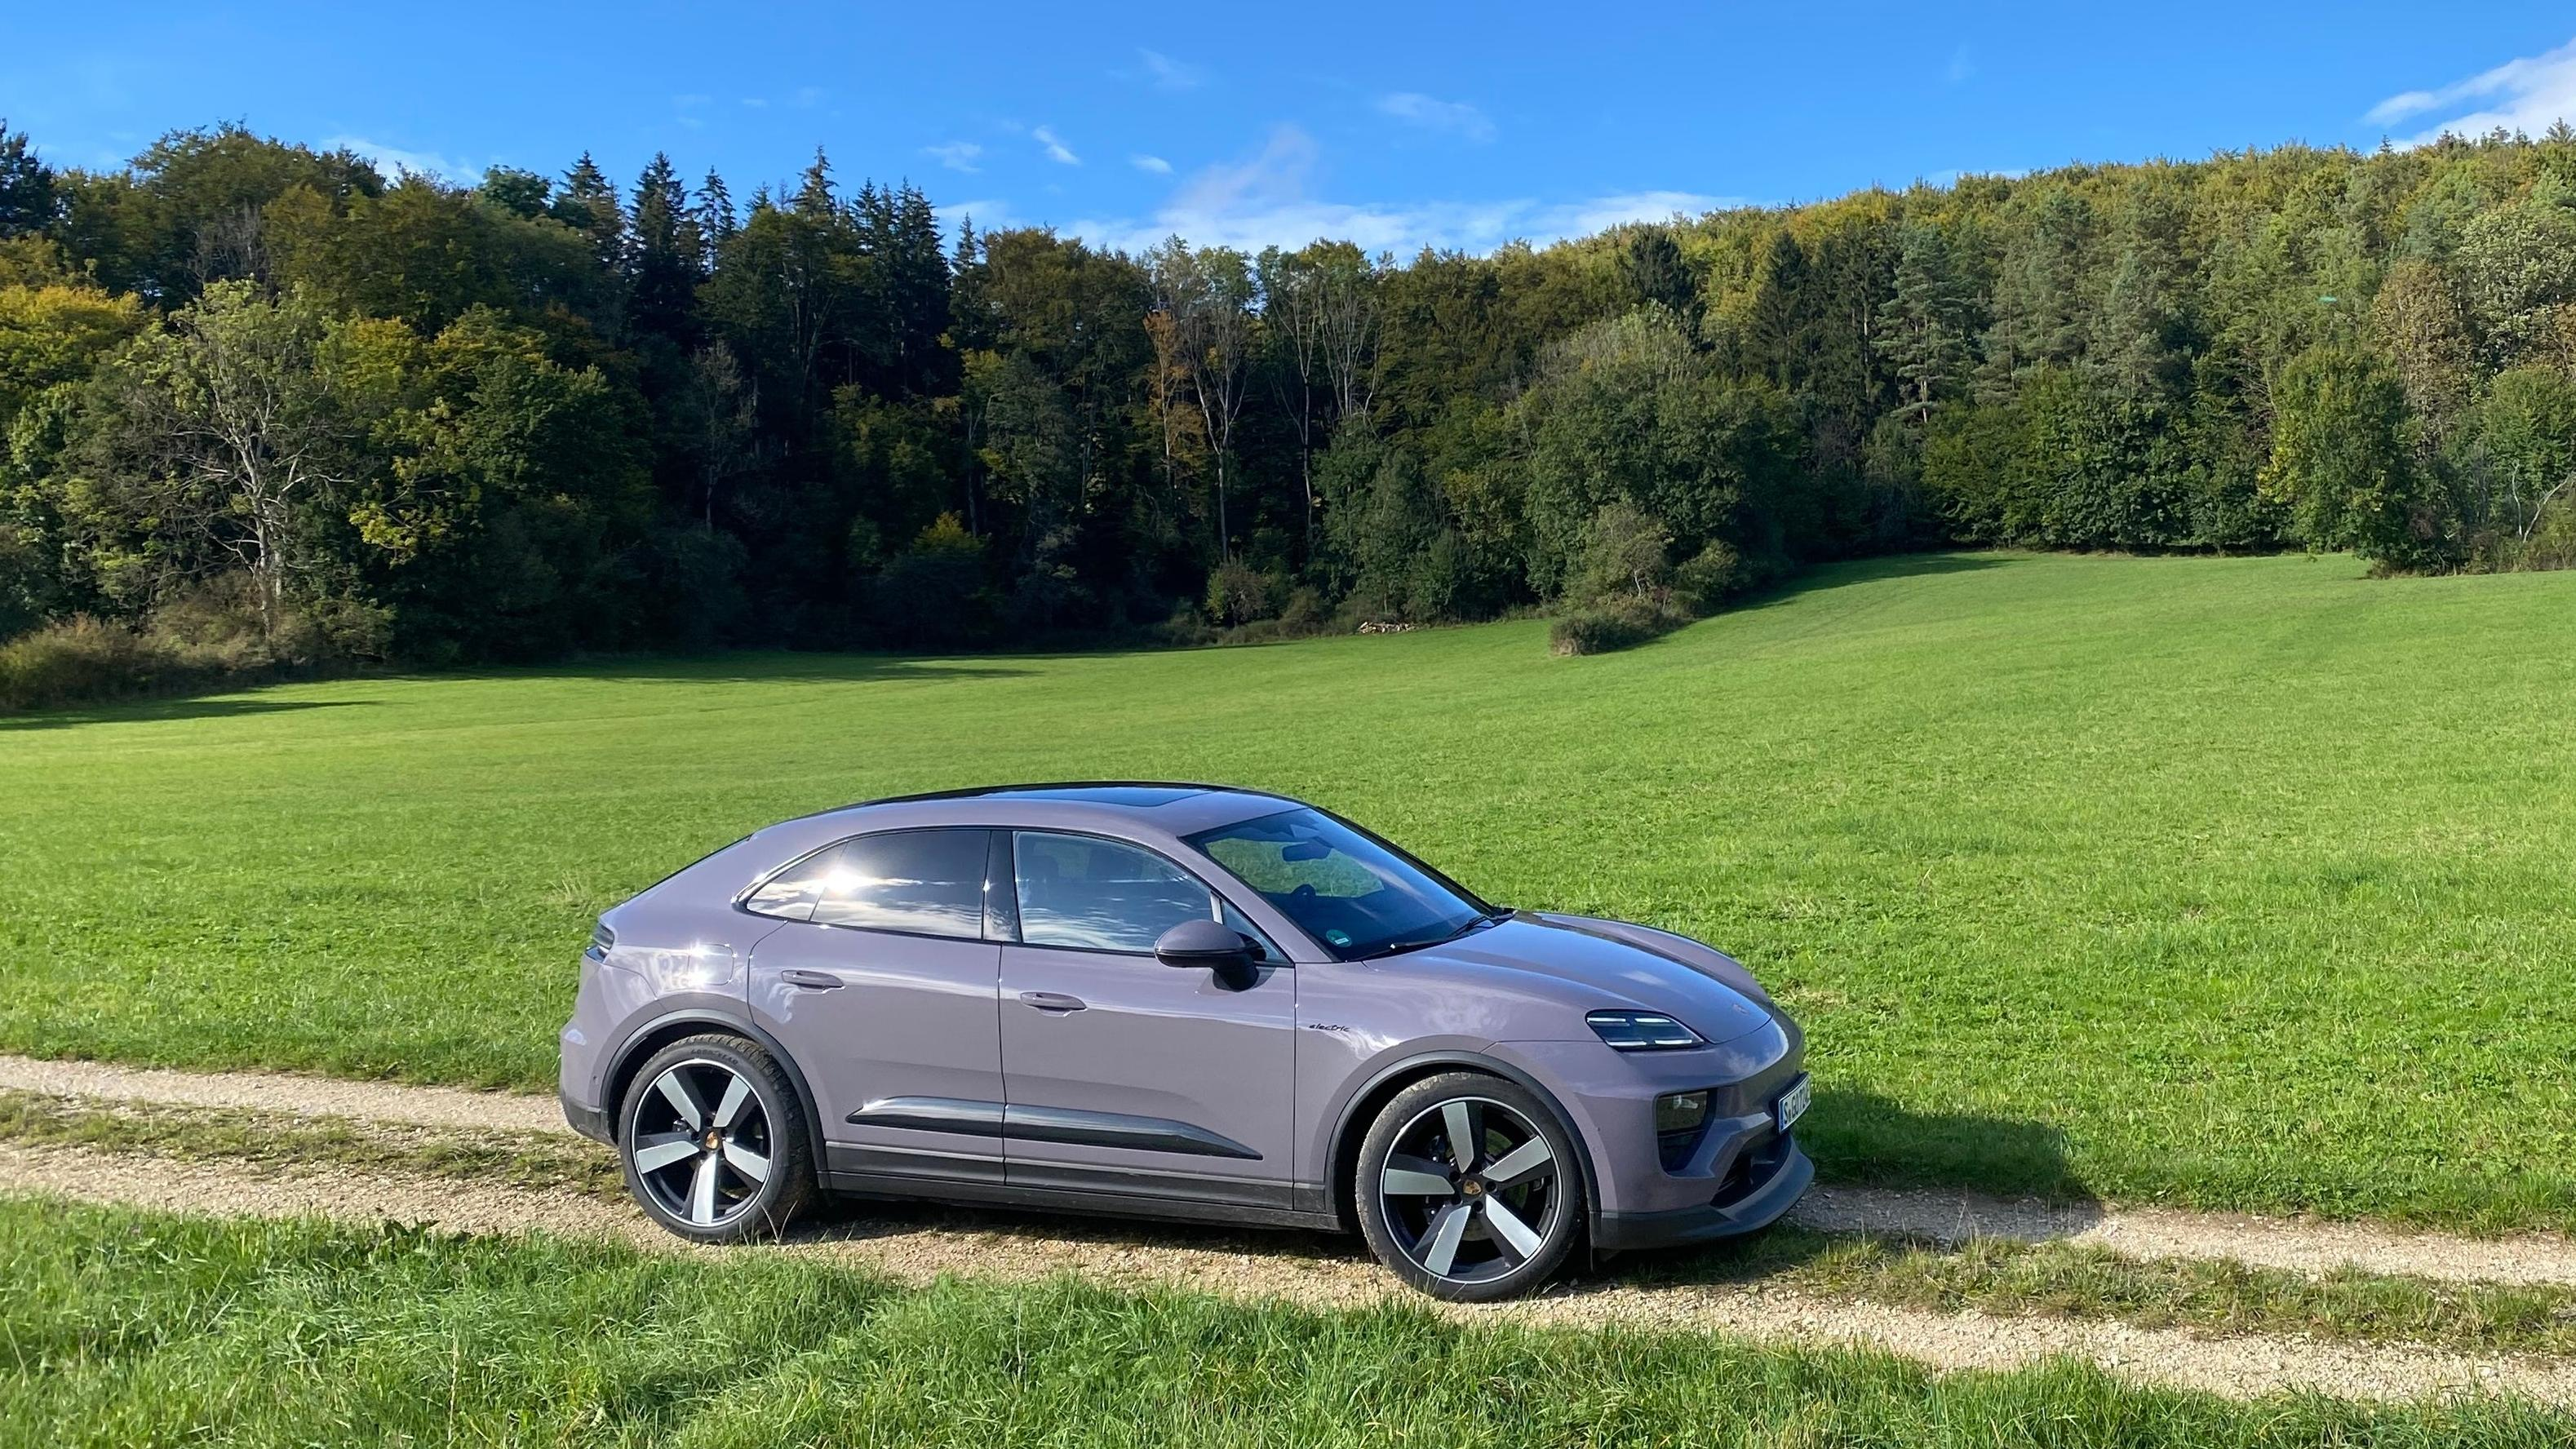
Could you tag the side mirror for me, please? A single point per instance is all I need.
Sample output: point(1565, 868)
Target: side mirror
point(1205, 946)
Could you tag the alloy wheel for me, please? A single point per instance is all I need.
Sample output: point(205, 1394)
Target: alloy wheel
point(1471, 1189)
point(702, 1143)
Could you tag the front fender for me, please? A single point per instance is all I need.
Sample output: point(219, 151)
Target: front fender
point(1355, 1109)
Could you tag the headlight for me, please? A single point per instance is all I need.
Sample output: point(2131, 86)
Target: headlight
point(1640, 1031)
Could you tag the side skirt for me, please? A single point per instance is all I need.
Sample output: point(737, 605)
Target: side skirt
point(1102, 1191)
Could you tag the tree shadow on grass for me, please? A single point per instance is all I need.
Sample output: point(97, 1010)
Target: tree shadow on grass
point(153, 711)
point(1862, 1139)
point(1958, 1176)
point(1824, 578)
point(764, 667)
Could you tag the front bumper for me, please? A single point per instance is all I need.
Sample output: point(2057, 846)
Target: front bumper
point(1759, 1206)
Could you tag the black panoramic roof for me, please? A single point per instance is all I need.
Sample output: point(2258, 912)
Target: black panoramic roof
point(1134, 797)
point(1119, 794)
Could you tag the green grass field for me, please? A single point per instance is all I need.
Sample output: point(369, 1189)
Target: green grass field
point(2222, 882)
point(131, 1329)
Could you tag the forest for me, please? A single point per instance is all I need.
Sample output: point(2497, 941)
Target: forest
point(265, 406)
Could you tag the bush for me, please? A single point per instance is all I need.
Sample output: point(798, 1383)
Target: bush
point(75, 660)
point(1710, 577)
point(932, 594)
point(1237, 593)
point(1305, 612)
point(1623, 557)
point(1613, 624)
point(205, 636)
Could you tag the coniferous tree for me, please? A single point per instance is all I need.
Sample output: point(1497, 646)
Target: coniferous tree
point(588, 204)
point(715, 214)
point(1927, 329)
point(26, 186)
point(664, 260)
point(2040, 292)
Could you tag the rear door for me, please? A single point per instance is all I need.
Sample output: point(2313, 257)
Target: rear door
point(882, 985)
point(1123, 1074)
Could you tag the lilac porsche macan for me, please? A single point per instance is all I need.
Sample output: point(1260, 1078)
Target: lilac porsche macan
point(1175, 1001)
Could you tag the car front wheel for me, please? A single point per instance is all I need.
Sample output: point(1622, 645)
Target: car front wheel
point(713, 1141)
point(1469, 1189)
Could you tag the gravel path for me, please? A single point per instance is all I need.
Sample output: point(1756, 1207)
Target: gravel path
point(2295, 1244)
point(2236, 1367)
point(280, 1092)
point(2306, 1245)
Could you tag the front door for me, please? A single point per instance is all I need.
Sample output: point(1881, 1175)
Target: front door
point(1123, 1074)
point(881, 985)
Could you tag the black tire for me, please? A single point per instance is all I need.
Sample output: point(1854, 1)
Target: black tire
point(1513, 1231)
point(759, 1165)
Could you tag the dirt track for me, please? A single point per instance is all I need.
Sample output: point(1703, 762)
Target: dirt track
point(2302, 1245)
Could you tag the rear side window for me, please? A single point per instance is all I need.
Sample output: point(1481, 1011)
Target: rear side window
point(922, 882)
point(1098, 895)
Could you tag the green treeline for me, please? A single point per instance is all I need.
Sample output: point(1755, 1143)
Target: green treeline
point(262, 403)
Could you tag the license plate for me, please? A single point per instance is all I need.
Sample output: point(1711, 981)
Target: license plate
point(1792, 1104)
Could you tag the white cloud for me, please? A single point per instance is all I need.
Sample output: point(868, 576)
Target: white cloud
point(1600, 213)
point(1170, 74)
point(1056, 150)
point(956, 155)
point(1270, 200)
point(391, 159)
point(1155, 164)
point(988, 214)
point(2520, 95)
point(1458, 118)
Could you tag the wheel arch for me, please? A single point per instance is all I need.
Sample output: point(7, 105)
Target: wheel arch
point(1350, 1129)
point(651, 1036)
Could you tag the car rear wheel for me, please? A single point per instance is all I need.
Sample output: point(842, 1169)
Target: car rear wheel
point(1469, 1189)
point(713, 1141)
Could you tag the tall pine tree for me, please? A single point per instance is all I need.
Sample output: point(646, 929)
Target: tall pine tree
point(664, 262)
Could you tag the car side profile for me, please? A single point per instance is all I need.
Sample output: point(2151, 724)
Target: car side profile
point(1177, 1001)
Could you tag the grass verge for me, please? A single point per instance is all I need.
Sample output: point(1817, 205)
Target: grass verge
point(134, 1330)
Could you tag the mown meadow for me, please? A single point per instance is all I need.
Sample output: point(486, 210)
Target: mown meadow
point(2222, 882)
point(128, 1328)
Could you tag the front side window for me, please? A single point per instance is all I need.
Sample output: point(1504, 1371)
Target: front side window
point(922, 882)
point(1089, 894)
point(1344, 889)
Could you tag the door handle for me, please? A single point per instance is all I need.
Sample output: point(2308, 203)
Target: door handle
point(813, 980)
point(1052, 1000)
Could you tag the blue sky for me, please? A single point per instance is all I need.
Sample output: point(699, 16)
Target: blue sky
point(1391, 125)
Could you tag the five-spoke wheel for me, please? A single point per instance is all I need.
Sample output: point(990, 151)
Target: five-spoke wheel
point(1468, 1188)
point(713, 1145)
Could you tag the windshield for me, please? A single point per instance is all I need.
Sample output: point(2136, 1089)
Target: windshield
point(1352, 894)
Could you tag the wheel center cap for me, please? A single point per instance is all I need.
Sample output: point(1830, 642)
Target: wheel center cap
point(1471, 1187)
point(714, 1141)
